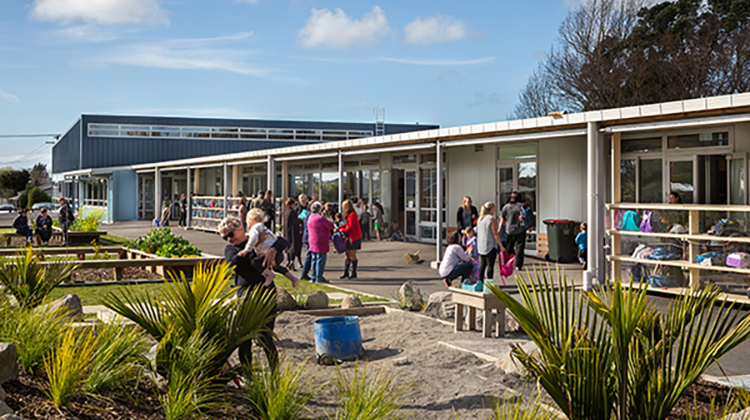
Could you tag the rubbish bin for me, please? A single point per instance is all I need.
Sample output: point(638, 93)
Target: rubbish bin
point(561, 240)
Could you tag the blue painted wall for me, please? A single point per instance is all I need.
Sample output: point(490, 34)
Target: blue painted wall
point(123, 200)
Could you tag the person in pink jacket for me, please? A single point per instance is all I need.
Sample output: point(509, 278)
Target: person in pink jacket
point(319, 236)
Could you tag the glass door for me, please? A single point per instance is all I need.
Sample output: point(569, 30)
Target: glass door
point(682, 178)
point(517, 176)
point(410, 187)
point(506, 183)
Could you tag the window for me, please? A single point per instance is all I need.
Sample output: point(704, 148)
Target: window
point(641, 145)
point(251, 133)
point(410, 158)
point(698, 140)
point(650, 174)
point(517, 151)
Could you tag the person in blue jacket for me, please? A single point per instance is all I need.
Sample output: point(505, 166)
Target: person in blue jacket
point(582, 241)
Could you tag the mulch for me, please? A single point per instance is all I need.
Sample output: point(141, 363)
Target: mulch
point(26, 398)
point(699, 399)
point(107, 274)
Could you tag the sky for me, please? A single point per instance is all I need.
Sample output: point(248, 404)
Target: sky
point(429, 61)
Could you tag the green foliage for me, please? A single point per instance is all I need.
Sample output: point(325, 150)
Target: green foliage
point(163, 243)
point(32, 196)
point(192, 389)
point(88, 220)
point(29, 281)
point(281, 393)
point(68, 365)
point(515, 408)
point(611, 354)
point(34, 332)
point(206, 304)
point(117, 357)
point(13, 181)
point(364, 395)
point(730, 408)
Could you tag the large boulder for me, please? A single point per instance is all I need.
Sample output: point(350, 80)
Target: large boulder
point(351, 301)
point(316, 300)
point(8, 362)
point(436, 304)
point(11, 417)
point(3, 395)
point(70, 303)
point(5, 410)
point(409, 297)
point(284, 300)
point(742, 415)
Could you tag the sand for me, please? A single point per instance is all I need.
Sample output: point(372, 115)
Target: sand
point(445, 380)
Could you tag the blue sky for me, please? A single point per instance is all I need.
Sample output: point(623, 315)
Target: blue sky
point(433, 61)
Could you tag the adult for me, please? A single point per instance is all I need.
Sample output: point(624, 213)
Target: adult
point(488, 239)
point(328, 211)
point(456, 262)
point(364, 222)
point(353, 240)
point(243, 211)
point(319, 237)
point(269, 206)
point(66, 218)
point(257, 202)
point(467, 214)
point(292, 232)
point(21, 225)
point(183, 211)
point(674, 198)
point(512, 219)
point(247, 277)
point(304, 215)
point(44, 226)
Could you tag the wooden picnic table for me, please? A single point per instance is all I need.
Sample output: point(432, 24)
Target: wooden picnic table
point(494, 311)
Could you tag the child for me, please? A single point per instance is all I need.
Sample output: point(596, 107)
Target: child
point(470, 242)
point(395, 233)
point(261, 239)
point(583, 243)
point(338, 219)
point(364, 222)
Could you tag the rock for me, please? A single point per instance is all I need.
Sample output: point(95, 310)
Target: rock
point(284, 300)
point(3, 395)
point(317, 300)
point(4, 409)
point(744, 414)
point(8, 362)
point(440, 297)
point(351, 301)
point(511, 325)
point(11, 417)
point(409, 297)
point(511, 366)
point(69, 303)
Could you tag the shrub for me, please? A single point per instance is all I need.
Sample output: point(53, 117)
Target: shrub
point(612, 354)
point(32, 196)
point(117, 357)
point(29, 281)
point(281, 393)
point(89, 219)
point(34, 332)
point(515, 408)
point(363, 396)
point(68, 365)
point(163, 243)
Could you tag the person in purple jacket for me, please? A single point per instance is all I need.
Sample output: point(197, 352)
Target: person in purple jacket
point(319, 236)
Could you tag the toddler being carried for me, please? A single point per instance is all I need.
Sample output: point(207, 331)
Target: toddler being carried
point(261, 239)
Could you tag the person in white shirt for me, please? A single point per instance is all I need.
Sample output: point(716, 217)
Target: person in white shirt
point(260, 240)
point(456, 262)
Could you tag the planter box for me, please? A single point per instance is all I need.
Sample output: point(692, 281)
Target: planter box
point(82, 238)
point(178, 265)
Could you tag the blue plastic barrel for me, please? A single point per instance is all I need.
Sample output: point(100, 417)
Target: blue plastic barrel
point(338, 338)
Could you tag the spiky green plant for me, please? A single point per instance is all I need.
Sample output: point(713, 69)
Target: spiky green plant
point(29, 281)
point(516, 408)
point(191, 391)
point(206, 304)
point(118, 357)
point(33, 331)
point(732, 407)
point(68, 365)
point(281, 393)
point(364, 395)
point(611, 354)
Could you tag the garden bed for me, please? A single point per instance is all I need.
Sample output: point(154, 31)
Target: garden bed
point(99, 275)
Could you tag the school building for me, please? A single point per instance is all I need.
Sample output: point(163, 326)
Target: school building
point(588, 166)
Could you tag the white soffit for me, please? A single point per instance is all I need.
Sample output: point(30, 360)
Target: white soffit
point(390, 149)
point(518, 137)
point(665, 125)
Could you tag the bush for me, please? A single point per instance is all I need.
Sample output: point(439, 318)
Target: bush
point(281, 393)
point(117, 358)
point(29, 281)
point(163, 243)
point(68, 366)
point(34, 332)
point(88, 220)
point(367, 396)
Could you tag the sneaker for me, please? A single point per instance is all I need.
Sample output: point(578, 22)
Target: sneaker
point(305, 277)
point(322, 280)
point(447, 282)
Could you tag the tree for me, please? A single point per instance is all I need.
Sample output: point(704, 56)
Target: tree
point(12, 181)
point(32, 196)
point(39, 175)
point(617, 53)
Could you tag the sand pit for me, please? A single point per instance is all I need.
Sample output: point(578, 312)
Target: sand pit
point(445, 379)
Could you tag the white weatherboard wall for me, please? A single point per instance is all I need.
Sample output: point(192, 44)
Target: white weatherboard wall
point(561, 180)
point(470, 173)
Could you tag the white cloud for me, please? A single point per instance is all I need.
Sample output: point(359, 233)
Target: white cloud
point(104, 12)
point(438, 62)
point(9, 97)
point(327, 29)
point(191, 54)
point(88, 33)
point(434, 30)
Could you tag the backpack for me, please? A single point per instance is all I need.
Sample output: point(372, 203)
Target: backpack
point(529, 218)
point(339, 242)
point(646, 222)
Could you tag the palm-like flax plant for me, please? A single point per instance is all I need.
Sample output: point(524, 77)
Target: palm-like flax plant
point(611, 354)
point(206, 304)
point(30, 281)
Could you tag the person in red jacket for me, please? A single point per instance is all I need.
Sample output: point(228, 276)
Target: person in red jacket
point(354, 238)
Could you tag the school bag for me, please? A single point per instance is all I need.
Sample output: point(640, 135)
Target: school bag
point(647, 222)
point(475, 265)
point(507, 263)
point(339, 242)
point(630, 221)
point(529, 218)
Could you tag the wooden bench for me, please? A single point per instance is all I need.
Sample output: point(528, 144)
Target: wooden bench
point(5, 238)
point(494, 311)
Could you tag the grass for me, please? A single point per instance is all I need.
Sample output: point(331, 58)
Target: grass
point(364, 394)
point(110, 239)
point(90, 294)
point(280, 394)
point(67, 367)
